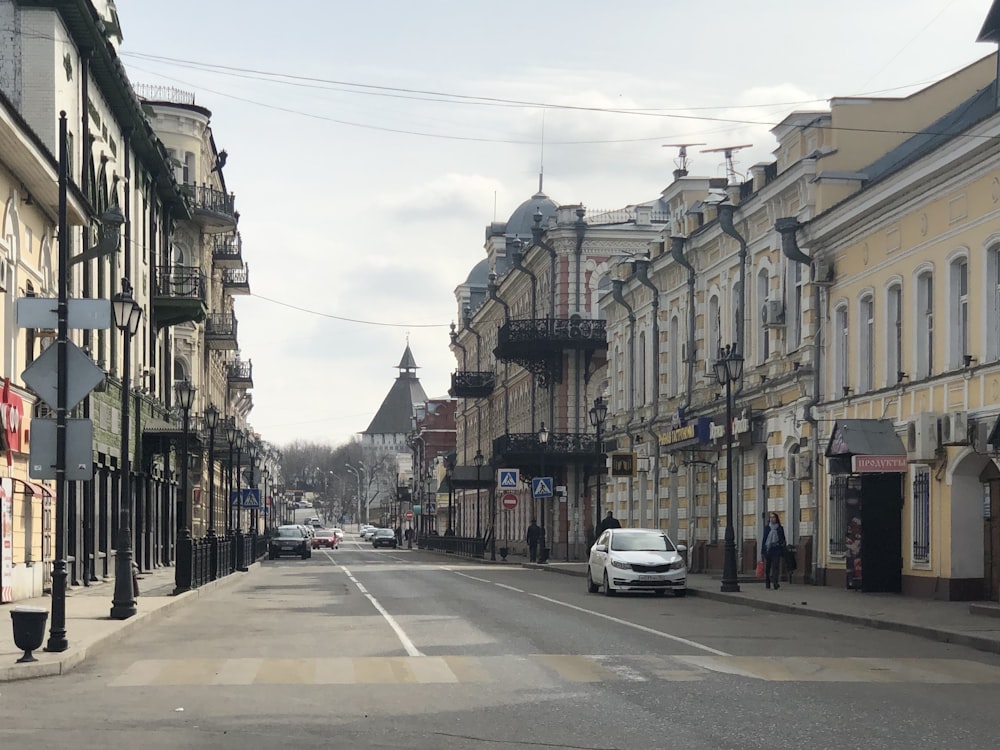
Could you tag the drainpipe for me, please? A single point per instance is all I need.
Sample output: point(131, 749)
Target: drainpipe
point(467, 323)
point(536, 235)
point(642, 273)
point(454, 342)
point(787, 227)
point(726, 211)
point(581, 231)
point(491, 287)
point(517, 258)
point(616, 294)
point(677, 253)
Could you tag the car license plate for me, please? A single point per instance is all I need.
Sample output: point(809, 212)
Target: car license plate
point(287, 546)
point(652, 578)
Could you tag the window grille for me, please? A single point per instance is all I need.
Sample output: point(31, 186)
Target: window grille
point(922, 515)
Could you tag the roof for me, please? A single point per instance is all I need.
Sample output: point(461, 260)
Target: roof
point(865, 437)
point(522, 220)
point(395, 415)
point(480, 274)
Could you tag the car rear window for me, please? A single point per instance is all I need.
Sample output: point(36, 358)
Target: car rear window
point(292, 533)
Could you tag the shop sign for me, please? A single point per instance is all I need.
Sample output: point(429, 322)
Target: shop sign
point(862, 464)
point(693, 432)
point(623, 464)
point(11, 417)
point(741, 427)
point(6, 542)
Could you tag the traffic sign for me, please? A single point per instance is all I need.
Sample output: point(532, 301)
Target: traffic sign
point(541, 487)
point(509, 501)
point(251, 497)
point(508, 478)
point(408, 515)
point(234, 498)
point(79, 449)
point(82, 375)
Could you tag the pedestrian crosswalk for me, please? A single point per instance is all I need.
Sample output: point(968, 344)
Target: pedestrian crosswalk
point(547, 670)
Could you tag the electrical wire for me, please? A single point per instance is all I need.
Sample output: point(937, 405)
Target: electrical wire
point(348, 320)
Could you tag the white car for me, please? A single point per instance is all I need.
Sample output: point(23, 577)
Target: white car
point(636, 560)
point(367, 531)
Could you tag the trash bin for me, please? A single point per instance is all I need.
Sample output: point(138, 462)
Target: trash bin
point(791, 563)
point(29, 629)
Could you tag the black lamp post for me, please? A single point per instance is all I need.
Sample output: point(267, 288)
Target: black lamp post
point(241, 441)
point(128, 316)
point(231, 519)
point(211, 420)
point(543, 441)
point(599, 413)
point(253, 450)
point(182, 567)
point(479, 465)
point(729, 369)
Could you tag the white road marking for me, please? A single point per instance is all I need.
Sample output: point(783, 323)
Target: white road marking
point(511, 588)
point(465, 575)
point(411, 649)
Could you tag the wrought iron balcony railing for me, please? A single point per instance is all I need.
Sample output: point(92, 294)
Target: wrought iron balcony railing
point(236, 280)
point(537, 344)
point(524, 449)
point(220, 331)
point(214, 210)
point(240, 374)
point(227, 251)
point(179, 295)
point(471, 384)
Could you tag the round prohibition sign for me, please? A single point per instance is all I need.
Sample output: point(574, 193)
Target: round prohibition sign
point(509, 501)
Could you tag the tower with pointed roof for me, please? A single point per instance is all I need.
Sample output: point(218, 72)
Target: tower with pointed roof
point(394, 419)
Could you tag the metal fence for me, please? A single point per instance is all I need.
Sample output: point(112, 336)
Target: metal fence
point(200, 561)
point(464, 546)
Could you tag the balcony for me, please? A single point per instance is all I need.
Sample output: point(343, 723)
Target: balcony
point(213, 210)
point(537, 344)
point(179, 295)
point(523, 450)
point(220, 332)
point(471, 384)
point(227, 252)
point(236, 281)
point(239, 374)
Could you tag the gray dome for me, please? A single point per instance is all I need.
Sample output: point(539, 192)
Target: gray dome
point(480, 274)
point(523, 219)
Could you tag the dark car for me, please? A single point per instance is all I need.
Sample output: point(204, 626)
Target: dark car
point(384, 538)
point(289, 540)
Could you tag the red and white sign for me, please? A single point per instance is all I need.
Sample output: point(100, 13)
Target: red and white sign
point(6, 541)
point(509, 501)
point(878, 464)
point(408, 515)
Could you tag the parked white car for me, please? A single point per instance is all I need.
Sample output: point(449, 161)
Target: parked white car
point(636, 560)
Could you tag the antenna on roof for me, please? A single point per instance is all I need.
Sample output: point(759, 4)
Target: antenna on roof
point(541, 158)
point(728, 151)
point(681, 162)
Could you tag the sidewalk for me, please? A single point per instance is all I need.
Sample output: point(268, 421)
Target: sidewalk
point(972, 624)
point(89, 627)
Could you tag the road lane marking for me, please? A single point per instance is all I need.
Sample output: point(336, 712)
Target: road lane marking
point(510, 588)
point(635, 626)
point(466, 575)
point(849, 669)
point(408, 645)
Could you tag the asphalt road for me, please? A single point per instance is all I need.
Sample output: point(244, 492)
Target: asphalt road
point(363, 648)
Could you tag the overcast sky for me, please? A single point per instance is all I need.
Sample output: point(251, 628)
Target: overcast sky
point(371, 143)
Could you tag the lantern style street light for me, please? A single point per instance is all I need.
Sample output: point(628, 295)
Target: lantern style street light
point(211, 421)
point(728, 370)
point(479, 466)
point(598, 414)
point(543, 441)
point(184, 392)
point(128, 316)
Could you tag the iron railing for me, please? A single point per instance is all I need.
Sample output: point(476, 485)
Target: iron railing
point(220, 324)
point(571, 331)
point(185, 282)
point(207, 198)
point(464, 546)
point(471, 384)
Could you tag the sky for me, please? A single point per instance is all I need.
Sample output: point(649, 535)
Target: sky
point(370, 144)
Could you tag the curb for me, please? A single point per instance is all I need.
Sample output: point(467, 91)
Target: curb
point(73, 657)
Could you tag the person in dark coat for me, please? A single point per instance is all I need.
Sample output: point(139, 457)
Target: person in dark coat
point(608, 522)
point(533, 537)
point(773, 550)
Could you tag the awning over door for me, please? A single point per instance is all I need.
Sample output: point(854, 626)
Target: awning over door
point(865, 446)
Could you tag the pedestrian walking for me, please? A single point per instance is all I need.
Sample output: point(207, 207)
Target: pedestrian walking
point(608, 522)
point(773, 550)
point(533, 537)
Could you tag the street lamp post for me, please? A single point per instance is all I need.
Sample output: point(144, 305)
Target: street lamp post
point(253, 450)
point(479, 465)
point(183, 562)
point(729, 369)
point(211, 420)
point(543, 441)
point(128, 316)
point(598, 413)
point(231, 439)
point(357, 475)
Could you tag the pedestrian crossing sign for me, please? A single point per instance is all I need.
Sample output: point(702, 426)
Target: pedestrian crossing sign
point(508, 479)
point(234, 498)
point(541, 487)
point(251, 498)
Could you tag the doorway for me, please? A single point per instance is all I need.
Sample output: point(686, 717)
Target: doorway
point(882, 532)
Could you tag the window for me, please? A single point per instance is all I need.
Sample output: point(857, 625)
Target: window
point(841, 351)
point(676, 356)
point(959, 309)
point(793, 315)
point(993, 292)
point(640, 376)
point(713, 334)
point(894, 334)
point(925, 325)
point(922, 514)
point(763, 339)
point(841, 487)
point(866, 353)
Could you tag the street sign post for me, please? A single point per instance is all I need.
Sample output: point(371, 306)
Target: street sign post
point(508, 479)
point(541, 488)
point(408, 515)
point(509, 501)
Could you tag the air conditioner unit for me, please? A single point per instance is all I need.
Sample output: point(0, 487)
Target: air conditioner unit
point(772, 313)
point(800, 466)
point(955, 428)
point(821, 272)
point(922, 437)
point(980, 436)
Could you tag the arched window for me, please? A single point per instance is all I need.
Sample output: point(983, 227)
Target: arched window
point(925, 325)
point(841, 349)
point(713, 334)
point(866, 344)
point(894, 334)
point(993, 304)
point(640, 375)
point(958, 308)
point(675, 355)
point(793, 315)
point(763, 339)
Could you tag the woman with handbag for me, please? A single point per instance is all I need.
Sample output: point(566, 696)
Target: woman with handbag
point(773, 550)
